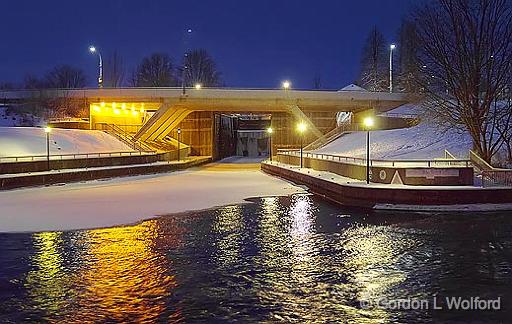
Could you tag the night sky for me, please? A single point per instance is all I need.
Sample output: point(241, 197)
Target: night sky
point(256, 44)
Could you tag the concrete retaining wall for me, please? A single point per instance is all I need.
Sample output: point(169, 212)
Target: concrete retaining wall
point(84, 175)
point(410, 176)
point(368, 196)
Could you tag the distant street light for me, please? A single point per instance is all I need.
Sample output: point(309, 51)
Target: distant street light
point(94, 50)
point(301, 127)
point(198, 86)
point(286, 85)
point(368, 124)
point(48, 130)
point(391, 48)
point(179, 140)
point(269, 132)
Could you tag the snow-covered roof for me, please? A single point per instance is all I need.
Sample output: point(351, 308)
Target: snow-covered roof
point(353, 87)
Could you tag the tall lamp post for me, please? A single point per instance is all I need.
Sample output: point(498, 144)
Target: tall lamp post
point(391, 48)
point(269, 132)
point(94, 50)
point(368, 124)
point(48, 130)
point(185, 62)
point(302, 129)
point(286, 85)
point(179, 140)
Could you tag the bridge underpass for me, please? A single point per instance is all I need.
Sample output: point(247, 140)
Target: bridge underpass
point(152, 116)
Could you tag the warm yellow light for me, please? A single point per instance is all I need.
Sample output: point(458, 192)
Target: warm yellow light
point(142, 107)
point(134, 113)
point(123, 106)
point(96, 108)
point(286, 85)
point(198, 86)
point(301, 127)
point(270, 130)
point(368, 122)
point(102, 104)
point(114, 105)
point(47, 129)
point(117, 111)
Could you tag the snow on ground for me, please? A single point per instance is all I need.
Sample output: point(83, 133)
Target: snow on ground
point(22, 141)
point(10, 118)
point(131, 199)
point(424, 141)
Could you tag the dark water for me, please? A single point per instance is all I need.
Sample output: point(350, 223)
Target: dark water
point(292, 259)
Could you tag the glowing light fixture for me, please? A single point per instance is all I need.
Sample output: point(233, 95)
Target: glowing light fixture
point(47, 129)
point(117, 111)
point(102, 104)
point(270, 130)
point(286, 85)
point(301, 127)
point(368, 122)
point(198, 86)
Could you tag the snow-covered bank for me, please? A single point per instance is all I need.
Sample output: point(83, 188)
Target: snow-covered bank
point(423, 141)
point(128, 200)
point(20, 141)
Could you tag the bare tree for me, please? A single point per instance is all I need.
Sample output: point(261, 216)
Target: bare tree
point(155, 71)
point(466, 51)
point(409, 69)
point(65, 76)
point(374, 62)
point(200, 68)
point(114, 71)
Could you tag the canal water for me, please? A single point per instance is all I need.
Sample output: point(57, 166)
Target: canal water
point(275, 259)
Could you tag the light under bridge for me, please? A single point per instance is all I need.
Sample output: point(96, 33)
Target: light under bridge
point(152, 115)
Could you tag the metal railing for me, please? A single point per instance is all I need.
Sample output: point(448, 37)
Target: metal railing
point(30, 158)
point(392, 163)
point(123, 136)
point(333, 135)
point(497, 178)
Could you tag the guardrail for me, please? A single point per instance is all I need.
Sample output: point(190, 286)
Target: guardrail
point(497, 178)
point(30, 158)
point(392, 163)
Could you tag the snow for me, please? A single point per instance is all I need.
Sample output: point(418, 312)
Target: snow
point(23, 141)
point(424, 141)
point(10, 118)
point(353, 87)
point(128, 200)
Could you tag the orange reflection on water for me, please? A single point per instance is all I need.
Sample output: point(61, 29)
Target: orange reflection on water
point(113, 274)
point(129, 278)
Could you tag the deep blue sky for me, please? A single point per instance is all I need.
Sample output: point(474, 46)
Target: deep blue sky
point(256, 43)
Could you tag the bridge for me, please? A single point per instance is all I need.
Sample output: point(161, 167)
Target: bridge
point(152, 115)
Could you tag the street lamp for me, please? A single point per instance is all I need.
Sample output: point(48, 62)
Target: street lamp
point(179, 140)
point(94, 50)
point(368, 124)
point(391, 48)
point(198, 86)
point(301, 127)
point(48, 130)
point(286, 85)
point(185, 61)
point(269, 132)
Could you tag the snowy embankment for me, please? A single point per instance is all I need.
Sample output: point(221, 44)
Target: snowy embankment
point(11, 118)
point(128, 200)
point(23, 141)
point(424, 141)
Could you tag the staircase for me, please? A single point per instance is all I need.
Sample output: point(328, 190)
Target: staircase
point(332, 135)
point(124, 136)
